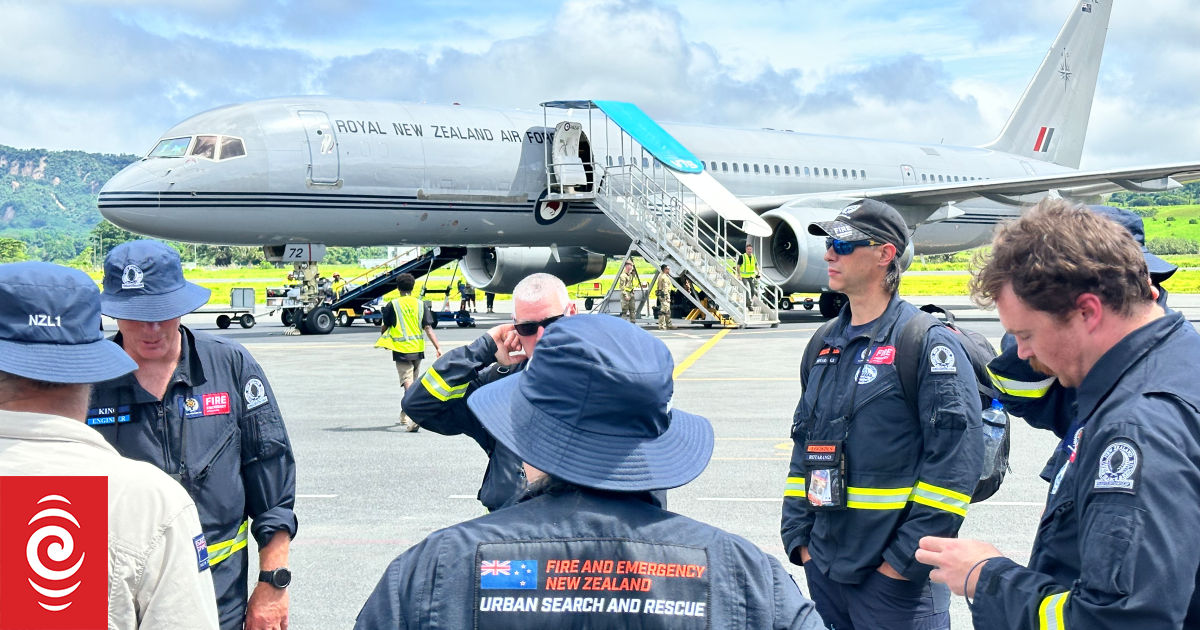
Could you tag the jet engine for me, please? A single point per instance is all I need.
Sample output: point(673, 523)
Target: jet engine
point(794, 259)
point(499, 269)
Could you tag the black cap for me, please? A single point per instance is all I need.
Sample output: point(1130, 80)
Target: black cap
point(50, 326)
point(1160, 269)
point(865, 220)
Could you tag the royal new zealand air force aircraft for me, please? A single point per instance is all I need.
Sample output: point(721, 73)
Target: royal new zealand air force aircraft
point(356, 173)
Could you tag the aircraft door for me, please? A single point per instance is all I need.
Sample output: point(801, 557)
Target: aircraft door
point(910, 176)
point(324, 165)
point(569, 169)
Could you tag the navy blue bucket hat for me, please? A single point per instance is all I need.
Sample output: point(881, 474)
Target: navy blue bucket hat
point(593, 408)
point(50, 326)
point(143, 282)
point(1159, 269)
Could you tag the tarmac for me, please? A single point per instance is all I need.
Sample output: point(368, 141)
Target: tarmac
point(367, 490)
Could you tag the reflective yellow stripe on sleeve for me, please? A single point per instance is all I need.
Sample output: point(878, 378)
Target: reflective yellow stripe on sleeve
point(794, 487)
point(218, 552)
point(877, 498)
point(1021, 389)
point(1050, 613)
point(941, 498)
point(439, 389)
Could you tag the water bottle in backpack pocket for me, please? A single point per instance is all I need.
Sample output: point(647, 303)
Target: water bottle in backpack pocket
point(995, 426)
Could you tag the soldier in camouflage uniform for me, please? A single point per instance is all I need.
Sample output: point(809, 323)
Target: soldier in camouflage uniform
point(664, 299)
point(626, 283)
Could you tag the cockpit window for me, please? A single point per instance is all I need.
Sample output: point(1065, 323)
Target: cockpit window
point(170, 148)
point(232, 147)
point(205, 147)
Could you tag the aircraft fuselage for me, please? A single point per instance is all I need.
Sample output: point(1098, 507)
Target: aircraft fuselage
point(401, 173)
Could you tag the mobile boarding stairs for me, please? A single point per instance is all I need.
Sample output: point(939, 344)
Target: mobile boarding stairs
point(659, 194)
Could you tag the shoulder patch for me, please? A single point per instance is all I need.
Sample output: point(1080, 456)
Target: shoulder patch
point(255, 393)
point(201, 546)
point(1120, 467)
point(941, 360)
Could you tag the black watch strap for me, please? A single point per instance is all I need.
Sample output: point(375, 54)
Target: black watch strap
point(279, 578)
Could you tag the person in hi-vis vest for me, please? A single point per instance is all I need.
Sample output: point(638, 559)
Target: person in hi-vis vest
point(748, 270)
point(405, 318)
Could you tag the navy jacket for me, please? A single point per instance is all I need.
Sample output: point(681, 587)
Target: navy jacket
point(570, 557)
point(1116, 544)
point(908, 477)
point(234, 458)
point(439, 403)
point(1039, 399)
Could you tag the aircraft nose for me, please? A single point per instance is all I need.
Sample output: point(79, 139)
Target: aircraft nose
point(130, 198)
point(131, 178)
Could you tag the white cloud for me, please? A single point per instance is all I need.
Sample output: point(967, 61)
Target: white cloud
point(113, 74)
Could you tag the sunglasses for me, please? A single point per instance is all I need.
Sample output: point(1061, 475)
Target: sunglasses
point(529, 329)
point(843, 248)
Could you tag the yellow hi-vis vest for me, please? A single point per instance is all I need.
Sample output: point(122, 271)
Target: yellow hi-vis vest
point(749, 265)
point(406, 335)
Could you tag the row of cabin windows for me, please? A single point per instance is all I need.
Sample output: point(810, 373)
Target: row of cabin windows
point(814, 171)
point(808, 172)
point(947, 178)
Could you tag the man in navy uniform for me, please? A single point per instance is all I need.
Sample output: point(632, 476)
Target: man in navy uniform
point(1113, 549)
point(592, 420)
point(1029, 390)
point(873, 471)
point(200, 408)
point(439, 402)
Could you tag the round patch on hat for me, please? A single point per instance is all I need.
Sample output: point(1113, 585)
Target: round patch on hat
point(131, 277)
point(849, 210)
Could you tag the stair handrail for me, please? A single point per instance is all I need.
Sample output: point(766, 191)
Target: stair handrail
point(386, 263)
point(664, 208)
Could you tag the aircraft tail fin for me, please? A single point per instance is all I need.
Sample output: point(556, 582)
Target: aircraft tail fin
point(1051, 119)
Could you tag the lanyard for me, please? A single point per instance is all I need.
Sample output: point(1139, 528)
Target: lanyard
point(848, 413)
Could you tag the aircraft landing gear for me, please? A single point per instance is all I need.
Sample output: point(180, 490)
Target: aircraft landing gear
point(319, 321)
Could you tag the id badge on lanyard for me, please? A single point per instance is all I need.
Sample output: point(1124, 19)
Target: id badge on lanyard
point(825, 460)
point(825, 474)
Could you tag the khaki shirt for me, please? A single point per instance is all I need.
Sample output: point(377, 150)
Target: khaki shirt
point(625, 282)
point(154, 575)
point(664, 287)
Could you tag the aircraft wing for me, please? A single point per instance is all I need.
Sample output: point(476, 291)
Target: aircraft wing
point(1070, 184)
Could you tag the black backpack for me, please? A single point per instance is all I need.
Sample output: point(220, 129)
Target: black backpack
point(910, 345)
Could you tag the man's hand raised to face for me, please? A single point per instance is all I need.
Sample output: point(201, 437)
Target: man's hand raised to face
point(508, 344)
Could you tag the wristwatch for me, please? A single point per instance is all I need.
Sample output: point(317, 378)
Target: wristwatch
point(279, 578)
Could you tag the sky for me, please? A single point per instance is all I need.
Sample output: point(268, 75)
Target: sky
point(113, 75)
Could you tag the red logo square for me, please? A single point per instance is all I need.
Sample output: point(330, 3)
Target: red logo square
point(884, 355)
point(53, 553)
point(215, 404)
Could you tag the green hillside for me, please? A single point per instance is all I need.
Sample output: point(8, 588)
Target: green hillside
point(48, 198)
